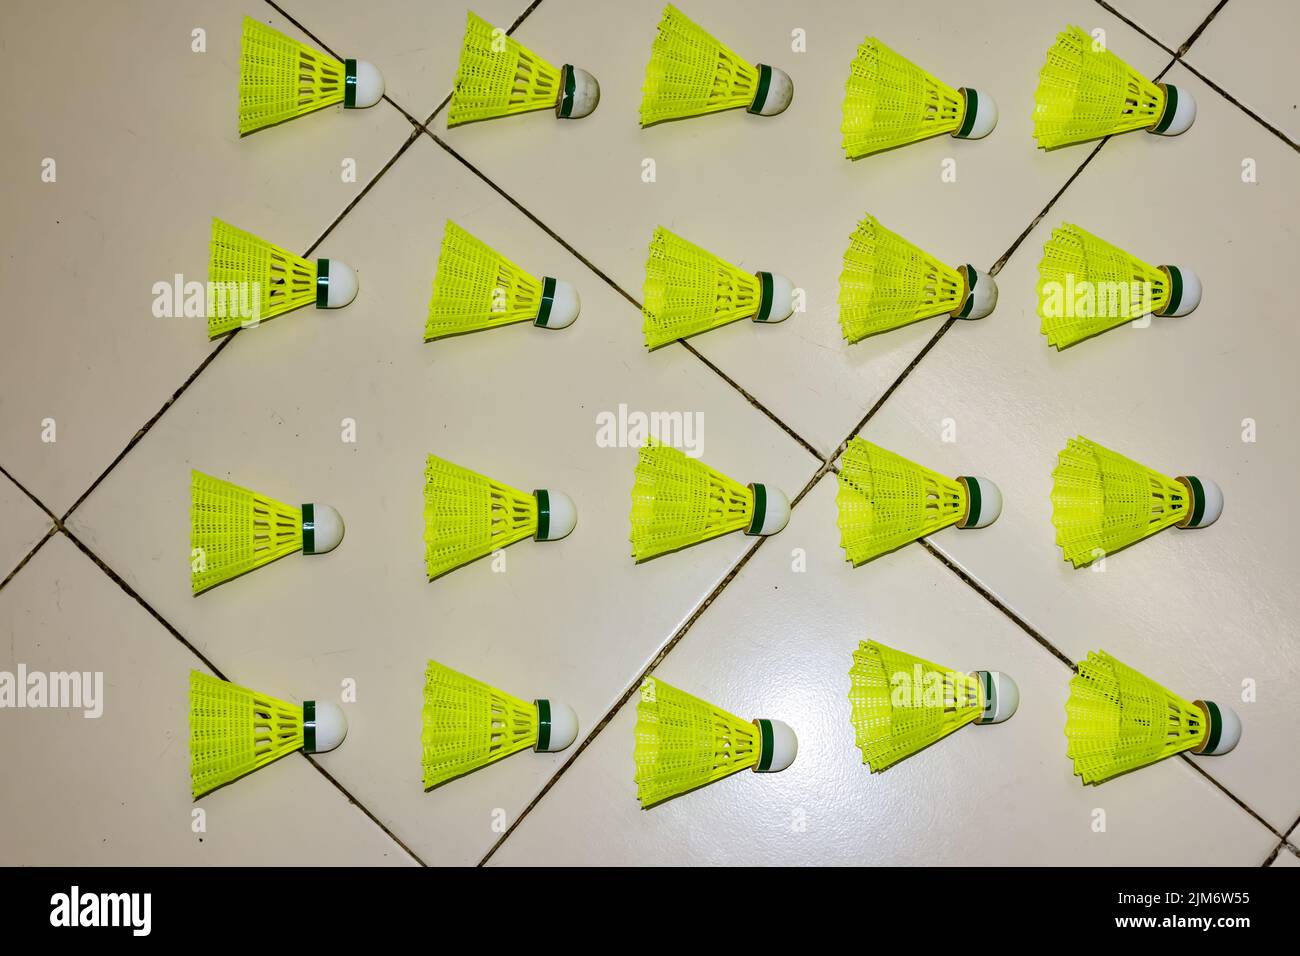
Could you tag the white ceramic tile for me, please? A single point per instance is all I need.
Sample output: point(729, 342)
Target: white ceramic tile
point(115, 789)
point(1169, 21)
point(144, 137)
point(1249, 50)
point(22, 525)
point(414, 43)
point(1202, 611)
point(573, 619)
point(1285, 857)
point(779, 643)
point(776, 193)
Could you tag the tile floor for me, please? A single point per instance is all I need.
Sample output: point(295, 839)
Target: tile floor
point(91, 522)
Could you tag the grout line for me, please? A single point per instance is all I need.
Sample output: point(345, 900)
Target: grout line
point(1187, 759)
point(211, 356)
point(24, 489)
point(658, 659)
point(513, 27)
point(326, 47)
point(754, 402)
point(30, 554)
point(1241, 106)
point(144, 429)
point(167, 626)
point(997, 602)
point(1106, 6)
point(415, 134)
point(1196, 34)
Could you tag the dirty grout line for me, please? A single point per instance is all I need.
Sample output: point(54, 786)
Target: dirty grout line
point(221, 346)
point(658, 659)
point(754, 402)
point(1111, 10)
point(167, 626)
point(30, 554)
point(1196, 34)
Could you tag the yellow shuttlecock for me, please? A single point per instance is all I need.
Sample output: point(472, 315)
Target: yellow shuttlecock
point(1103, 502)
point(498, 76)
point(468, 724)
point(1087, 286)
point(679, 501)
point(478, 288)
point(1086, 92)
point(887, 283)
point(890, 101)
point(901, 704)
point(1118, 720)
point(251, 280)
point(690, 74)
point(689, 290)
point(467, 515)
point(234, 530)
point(234, 730)
point(280, 78)
point(886, 501)
point(683, 742)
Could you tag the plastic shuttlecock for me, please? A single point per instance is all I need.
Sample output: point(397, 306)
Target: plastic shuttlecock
point(1117, 720)
point(690, 74)
point(467, 515)
point(887, 283)
point(468, 724)
point(280, 78)
point(1087, 286)
point(478, 288)
point(251, 280)
point(1086, 92)
point(890, 101)
point(901, 704)
point(886, 501)
point(689, 290)
point(234, 730)
point(234, 530)
point(683, 743)
point(499, 76)
point(1102, 501)
point(679, 501)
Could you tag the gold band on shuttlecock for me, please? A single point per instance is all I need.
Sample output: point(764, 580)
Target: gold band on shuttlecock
point(1171, 108)
point(968, 280)
point(1213, 726)
point(1196, 492)
point(767, 744)
point(1175, 290)
point(974, 502)
point(568, 88)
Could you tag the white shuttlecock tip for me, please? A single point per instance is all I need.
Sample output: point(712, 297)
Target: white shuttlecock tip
point(579, 93)
point(1179, 113)
point(556, 514)
point(776, 304)
point(557, 725)
point(981, 294)
point(778, 745)
point(1184, 290)
point(983, 502)
point(336, 284)
point(322, 529)
point(980, 117)
point(775, 91)
point(323, 726)
point(560, 304)
point(1207, 501)
point(1001, 696)
point(771, 510)
point(1224, 731)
